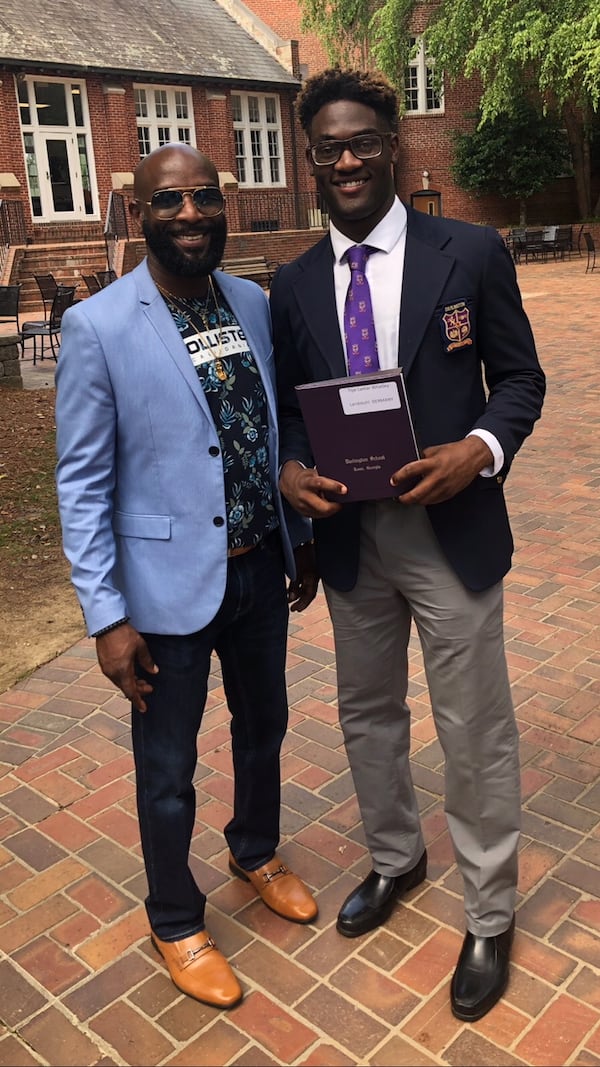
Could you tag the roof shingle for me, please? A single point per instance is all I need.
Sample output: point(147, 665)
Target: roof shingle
point(179, 38)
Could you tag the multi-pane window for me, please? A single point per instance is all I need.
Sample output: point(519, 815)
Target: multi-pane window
point(258, 140)
point(57, 147)
point(239, 156)
point(182, 110)
point(273, 141)
point(420, 95)
point(164, 115)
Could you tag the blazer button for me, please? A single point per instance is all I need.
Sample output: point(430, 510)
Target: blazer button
point(218, 521)
point(213, 450)
point(499, 479)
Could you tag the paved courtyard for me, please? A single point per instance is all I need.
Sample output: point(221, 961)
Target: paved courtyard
point(79, 980)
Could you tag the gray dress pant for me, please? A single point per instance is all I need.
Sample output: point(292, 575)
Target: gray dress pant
point(403, 576)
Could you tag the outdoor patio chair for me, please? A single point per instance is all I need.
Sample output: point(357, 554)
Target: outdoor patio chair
point(591, 252)
point(9, 304)
point(515, 243)
point(93, 285)
point(105, 277)
point(564, 241)
point(549, 241)
point(534, 245)
point(50, 328)
point(47, 286)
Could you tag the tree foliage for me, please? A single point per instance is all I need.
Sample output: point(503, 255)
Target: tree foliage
point(552, 46)
point(513, 156)
point(549, 49)
point(342, 26)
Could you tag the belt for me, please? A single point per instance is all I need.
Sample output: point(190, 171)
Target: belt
point(232, 552)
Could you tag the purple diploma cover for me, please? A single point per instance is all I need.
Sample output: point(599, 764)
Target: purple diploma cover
point(360, 431)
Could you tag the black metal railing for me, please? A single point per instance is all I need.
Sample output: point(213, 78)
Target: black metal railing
point(12, 227)
point(266, 212)
point(116, 226)
point(12, 222)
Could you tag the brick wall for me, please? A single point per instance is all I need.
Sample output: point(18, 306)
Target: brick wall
point(279, 247)
point(115, 146)
point(426, 140)
point(11, 161)
point(286, 18)
point(10, 367)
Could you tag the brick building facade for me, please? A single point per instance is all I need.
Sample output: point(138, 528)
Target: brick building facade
point(82, 101)
point(76, 116)
point(426, 137)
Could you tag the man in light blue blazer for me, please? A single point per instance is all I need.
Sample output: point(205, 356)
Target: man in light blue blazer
point(174, 527)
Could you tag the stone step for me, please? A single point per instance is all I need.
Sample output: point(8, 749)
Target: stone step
point(66, 262)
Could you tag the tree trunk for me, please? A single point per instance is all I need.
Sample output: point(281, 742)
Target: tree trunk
point(580, 154)
point(522, 213)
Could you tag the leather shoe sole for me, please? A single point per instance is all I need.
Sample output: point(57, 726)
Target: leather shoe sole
point(282, 892)
point(372, 902)
point(198, 968)
point(481, 974)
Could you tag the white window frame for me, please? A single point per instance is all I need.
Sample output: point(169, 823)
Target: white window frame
point(74, 131)
point(158, 116)
point(419, 77)
point(256, 138)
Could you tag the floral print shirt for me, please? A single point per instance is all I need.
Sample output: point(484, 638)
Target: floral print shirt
point(234, 390)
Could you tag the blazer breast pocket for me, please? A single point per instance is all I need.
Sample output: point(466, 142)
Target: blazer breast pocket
point(153, 527)
point(457, 325)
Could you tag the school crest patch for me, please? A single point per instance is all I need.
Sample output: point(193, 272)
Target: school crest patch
point(456, 326)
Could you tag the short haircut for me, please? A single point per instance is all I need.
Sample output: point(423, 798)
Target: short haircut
point(335, 84)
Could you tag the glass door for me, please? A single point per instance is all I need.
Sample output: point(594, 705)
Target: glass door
point(59, 174)
point(57, 145)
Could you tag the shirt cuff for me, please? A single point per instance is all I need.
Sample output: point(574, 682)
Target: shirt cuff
point(494, 447)
point(291, 461)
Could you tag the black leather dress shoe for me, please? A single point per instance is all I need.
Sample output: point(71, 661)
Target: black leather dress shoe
point(481, 974)
point(372, 902)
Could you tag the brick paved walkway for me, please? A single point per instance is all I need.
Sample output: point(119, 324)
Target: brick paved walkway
point(79, 980)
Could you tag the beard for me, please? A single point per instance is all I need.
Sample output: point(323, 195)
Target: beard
point(184, 265)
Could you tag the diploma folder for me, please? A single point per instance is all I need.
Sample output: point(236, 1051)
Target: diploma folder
point(360, 431)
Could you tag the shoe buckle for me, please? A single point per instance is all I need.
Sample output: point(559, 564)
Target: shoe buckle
point(269, 876)
point(191, 953)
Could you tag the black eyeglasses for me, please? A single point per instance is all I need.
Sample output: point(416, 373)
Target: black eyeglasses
point(167, 203)
point(363, 146)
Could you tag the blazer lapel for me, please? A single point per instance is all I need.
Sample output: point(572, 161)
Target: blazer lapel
point(315, 293)
point(167, 334)
point(247, 313)
point(244, 313)
point(426, 271)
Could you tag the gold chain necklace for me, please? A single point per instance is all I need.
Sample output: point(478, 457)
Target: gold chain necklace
point(175, 301)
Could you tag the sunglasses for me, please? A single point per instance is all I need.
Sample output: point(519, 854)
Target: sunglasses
point(363, 146)
point(167, 203)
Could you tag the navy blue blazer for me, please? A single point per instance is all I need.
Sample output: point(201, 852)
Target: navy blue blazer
point(469, 359)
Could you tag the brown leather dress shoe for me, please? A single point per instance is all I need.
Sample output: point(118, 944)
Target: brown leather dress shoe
point(283, 892)
point(197, 968)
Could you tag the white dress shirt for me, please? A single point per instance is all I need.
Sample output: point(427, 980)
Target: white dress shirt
point(384, 272)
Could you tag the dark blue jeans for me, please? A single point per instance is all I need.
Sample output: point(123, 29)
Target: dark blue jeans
point(249, 635)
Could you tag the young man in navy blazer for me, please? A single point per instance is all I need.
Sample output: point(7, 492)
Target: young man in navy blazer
point(447, 309)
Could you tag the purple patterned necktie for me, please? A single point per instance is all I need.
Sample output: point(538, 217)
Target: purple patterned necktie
point(359, 326)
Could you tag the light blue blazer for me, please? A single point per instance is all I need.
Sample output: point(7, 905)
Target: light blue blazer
point(141, 496)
